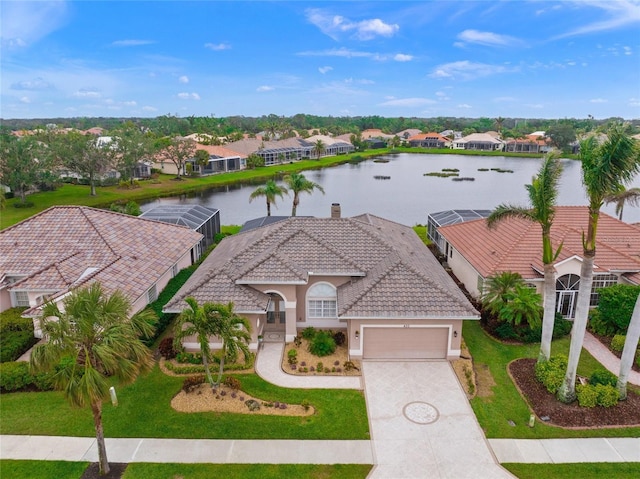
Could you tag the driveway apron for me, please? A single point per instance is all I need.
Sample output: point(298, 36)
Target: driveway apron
point(422, 425)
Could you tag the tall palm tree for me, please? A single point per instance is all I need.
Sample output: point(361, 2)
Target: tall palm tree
point(624, 196)
point(196, 321)
point(604, 168)
point(234, 331)
point(319, 148)
point(270, 190)
point(499, 122)
point(90, 342)
point(543, 193)
point(629, 350)
point(298, 183)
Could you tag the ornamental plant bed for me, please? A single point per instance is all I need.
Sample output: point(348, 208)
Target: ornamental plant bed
point(543, 403)
point(225, 399)
point(333, 362)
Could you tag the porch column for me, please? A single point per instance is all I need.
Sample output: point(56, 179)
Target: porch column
point(291, 321)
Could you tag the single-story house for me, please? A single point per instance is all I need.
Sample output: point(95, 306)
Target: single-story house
point(474, 252)
point(478, 141)
point(221, 160)
point(66, 247)
point(429, 140)
point(367, 276)
point(202, 219)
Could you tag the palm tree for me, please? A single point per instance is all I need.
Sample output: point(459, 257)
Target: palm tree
point(499, 122)
point(299, 184)
point(629, 350)
point(234, 331)
point(319, 148)
point(91, 342)
point(196, 321)
point(498, 289)
point(270, 190)
point(604, 168)
point(622, 196)
point(522, 306)
point(543, 193)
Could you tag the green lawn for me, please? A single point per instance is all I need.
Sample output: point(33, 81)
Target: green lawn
point(144, 410)
point(596, 470)
point(10, 469)
point(506, 404)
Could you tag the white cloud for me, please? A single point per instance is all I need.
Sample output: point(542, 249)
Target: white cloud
point(408, 102)
point(337, 52)
point(188, 96)
point(82, 93)
point(621, 13)
point(25, 99)
point(634, 102)
point(149, 108)
point(265, 88)
point(35, 84)
point(324, 70)
point(129, 103)
point(627, 50)
point(216, 47)
point(464, 106)
point(401, 57)
point(467, 70)
point(24, 23)
point(488, 39)
point(598, 100)
point(131, 43)
point(183, 79)
point(335, 25)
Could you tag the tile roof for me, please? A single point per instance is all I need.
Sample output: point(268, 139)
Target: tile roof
point(392, 273)
point(515, 244)
point(65, 246)
point(219, 151)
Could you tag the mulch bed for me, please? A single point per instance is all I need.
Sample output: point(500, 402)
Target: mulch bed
point(116, 470)
point(543, 403)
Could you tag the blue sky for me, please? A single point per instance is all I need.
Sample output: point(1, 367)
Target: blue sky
point(534, 59)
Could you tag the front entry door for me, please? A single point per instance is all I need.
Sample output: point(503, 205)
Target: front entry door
point(276, 315)
point(566, 304)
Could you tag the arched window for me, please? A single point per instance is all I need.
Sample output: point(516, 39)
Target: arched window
point(322, 301)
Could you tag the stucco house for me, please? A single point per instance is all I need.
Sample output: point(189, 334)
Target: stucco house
point(368, 276)
point(475, 252)
point(65, 247)
point(429, 140)
point(478, 141)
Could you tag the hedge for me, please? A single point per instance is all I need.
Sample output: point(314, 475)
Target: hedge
point(16, 334)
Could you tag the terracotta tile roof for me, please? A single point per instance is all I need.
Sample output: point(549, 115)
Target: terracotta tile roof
point(431, 135)
point(515, 244)
point(65, 246)
point(220, 151)
point(392, 273)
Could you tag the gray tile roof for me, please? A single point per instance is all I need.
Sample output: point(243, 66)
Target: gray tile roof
point(393, 274)
point(66, 246)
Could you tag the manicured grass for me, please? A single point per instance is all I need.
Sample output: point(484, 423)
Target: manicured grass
point(506, 404)
point(596, 470)
point(41, 469)
point(144, 410)
point(245, 471)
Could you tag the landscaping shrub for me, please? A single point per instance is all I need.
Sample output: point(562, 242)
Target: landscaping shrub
point(561, 326)
point(607, 395)
point(192, 382)
point(598, 326)
point(232, 382)
point(339, 338)
point(506, 331)
point(604, 377)
point(16, 334)
point(617, 342)
point(166, 349)
point(322, 344)
point(293, 356)
point(551, 373)
point(14, 376)
point(309, 333)
point(587, 395)
point(615, 305)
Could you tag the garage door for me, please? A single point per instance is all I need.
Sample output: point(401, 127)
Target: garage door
point(405, 343)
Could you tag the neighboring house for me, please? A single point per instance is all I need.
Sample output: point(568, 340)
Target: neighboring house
point(205, 221)
point(450, 217)
point(475, 253)
point(375, 143)
point(66, 247)
point(369, 277)
point(429, 140)
point(478, 141)
point(221, 160)
point(409, 132)
point(528, 144)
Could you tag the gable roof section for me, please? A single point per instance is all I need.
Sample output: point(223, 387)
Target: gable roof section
point(66, 246)
point(392, 273)
point(516, 244)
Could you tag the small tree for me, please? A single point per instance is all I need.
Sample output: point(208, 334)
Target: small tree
point(178, 150)
point(270, 190)
point(21, 163)
point(319, 148)
point(499, 289)
point(90, 343)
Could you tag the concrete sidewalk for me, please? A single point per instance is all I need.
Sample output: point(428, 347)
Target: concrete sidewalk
point(607, 358)
point(188, 451)
point(556, 451)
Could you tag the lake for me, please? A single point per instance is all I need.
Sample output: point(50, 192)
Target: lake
point(397, 189)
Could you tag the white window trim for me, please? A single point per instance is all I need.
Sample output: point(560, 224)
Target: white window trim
point(311, 297)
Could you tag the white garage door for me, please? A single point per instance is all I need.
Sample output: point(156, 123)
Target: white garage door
point(405, 343)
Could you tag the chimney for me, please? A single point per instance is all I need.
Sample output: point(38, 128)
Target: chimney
point(335, 210)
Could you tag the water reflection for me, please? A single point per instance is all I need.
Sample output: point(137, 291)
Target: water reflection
point(406, 195)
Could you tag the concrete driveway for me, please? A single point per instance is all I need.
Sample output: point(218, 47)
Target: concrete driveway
point(422, 425)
